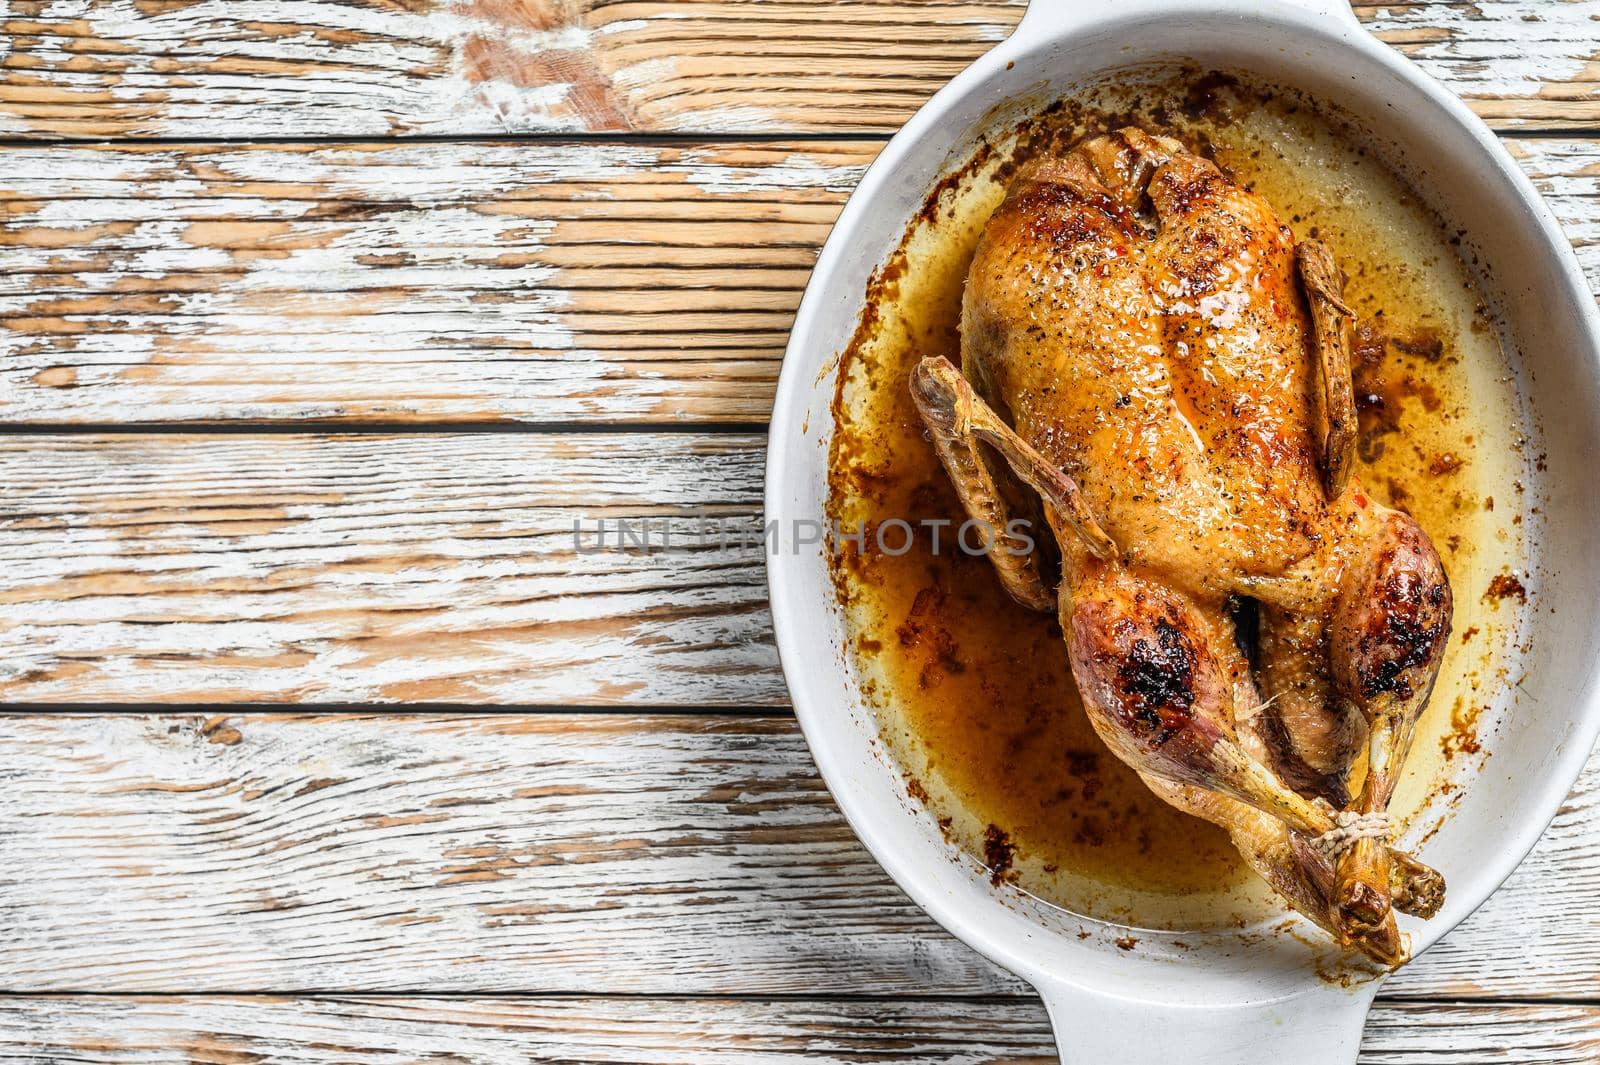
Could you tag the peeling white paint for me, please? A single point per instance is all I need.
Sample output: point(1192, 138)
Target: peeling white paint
point(377, 569)
point(578, 854)
point(1498, 49)
point(289, 284)
point(797, 171)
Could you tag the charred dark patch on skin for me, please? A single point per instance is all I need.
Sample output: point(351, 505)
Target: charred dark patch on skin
point(1410, 619)
point(1156, 682)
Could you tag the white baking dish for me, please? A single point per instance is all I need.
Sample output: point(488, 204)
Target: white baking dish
point(1231, 997)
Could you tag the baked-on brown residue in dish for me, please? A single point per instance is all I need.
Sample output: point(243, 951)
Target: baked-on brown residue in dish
point(1505, 586)
point(998, 852)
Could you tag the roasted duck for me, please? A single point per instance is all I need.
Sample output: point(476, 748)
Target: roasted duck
point(1154, 367)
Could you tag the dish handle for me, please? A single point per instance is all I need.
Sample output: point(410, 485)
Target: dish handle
point(1319, 1026)
point(1054, 16)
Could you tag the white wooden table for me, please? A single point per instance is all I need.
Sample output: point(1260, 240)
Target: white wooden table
point(320, 321)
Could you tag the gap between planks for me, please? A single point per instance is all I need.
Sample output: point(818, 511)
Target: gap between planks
point(641, 138)
point(777, 711)
point(679, 139)
point(371, 428)
point(997, 998)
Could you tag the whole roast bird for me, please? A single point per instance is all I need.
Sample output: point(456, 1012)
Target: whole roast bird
point(1153, 366)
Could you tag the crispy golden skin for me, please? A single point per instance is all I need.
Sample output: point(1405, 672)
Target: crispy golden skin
point(1147, 348)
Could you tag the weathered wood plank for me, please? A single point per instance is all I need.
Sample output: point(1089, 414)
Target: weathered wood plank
point(613, 284)
point(90, 68)
point(420, 568)
point(1518, 63)
point(538, 853)
point(226, 1031)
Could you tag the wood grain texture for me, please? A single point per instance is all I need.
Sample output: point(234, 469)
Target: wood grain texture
point(557, 283)
point(571, 853)
point(354, 1031)
point(374, 568)
point(611, 284)
point(209, 68)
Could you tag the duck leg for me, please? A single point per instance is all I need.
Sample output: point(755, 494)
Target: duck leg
point(1142, 654)
point(1281, 858)
point(1157, 694)
point(1388, 637)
